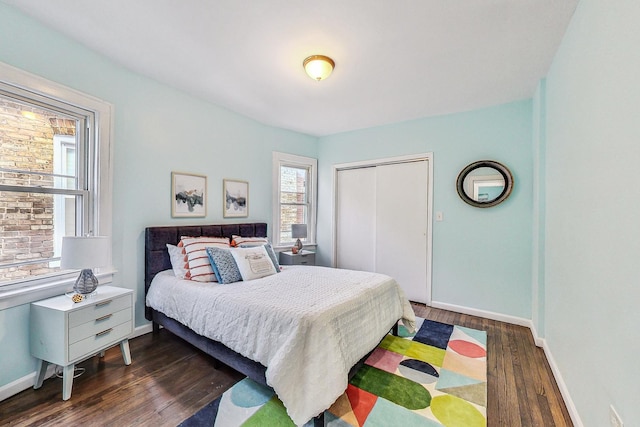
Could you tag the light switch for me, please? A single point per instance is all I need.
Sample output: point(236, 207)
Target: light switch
point(439, 216)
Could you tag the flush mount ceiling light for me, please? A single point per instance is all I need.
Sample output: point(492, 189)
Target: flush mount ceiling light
point(318, 67)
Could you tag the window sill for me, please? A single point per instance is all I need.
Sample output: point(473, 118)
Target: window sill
point(308, 246)
point(46, 289)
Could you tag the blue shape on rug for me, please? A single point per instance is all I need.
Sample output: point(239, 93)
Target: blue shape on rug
point(480, 336)
point(418, 371)
point(386, 413)
point(435, 334)
point(421, 366)
point(204, 417)
point(449, 379)
point(249, 394)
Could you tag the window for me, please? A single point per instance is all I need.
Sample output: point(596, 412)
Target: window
point(55, 175)
point(295, 194)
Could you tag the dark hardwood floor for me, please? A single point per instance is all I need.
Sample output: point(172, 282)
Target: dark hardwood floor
point(169, 380)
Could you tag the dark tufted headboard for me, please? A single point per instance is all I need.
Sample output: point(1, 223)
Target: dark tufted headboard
point(156, 257)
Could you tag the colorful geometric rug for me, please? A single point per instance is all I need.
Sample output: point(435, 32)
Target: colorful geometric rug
point(436, 377)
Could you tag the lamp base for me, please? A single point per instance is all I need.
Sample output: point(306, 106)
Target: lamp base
point(86, 282)
point(298, 245)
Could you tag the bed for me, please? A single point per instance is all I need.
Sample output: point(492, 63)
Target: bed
point(329, 320)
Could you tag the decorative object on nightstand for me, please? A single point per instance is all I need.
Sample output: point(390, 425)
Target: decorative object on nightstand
point(299, 231)
point(303, 257)
point(85, 253)
point(65, 333)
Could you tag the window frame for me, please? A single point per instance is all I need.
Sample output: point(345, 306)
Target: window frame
point(296, 161)
point(99, 163)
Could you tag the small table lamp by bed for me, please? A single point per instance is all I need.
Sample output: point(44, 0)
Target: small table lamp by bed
point(85, 253)
point(299, 231)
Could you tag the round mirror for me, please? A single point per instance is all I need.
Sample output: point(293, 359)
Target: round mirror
point(485, 183)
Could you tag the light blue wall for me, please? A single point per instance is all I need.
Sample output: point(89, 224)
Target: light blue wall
point(593, 220)
point(157, 130)
point(481, 257)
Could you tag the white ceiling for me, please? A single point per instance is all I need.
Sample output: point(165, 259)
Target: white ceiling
point(395, 60)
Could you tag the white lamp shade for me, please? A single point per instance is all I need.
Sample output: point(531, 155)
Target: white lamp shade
point(84, 252)
point(299, 231)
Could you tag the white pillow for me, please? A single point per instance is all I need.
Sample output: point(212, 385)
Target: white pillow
point(253, 263)
point(176, 255)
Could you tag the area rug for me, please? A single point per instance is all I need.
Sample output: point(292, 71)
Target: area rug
point(435, 377)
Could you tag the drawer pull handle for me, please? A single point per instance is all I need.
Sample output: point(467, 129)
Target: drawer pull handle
point(104, 332)
point(105, 317)
point(103, 303)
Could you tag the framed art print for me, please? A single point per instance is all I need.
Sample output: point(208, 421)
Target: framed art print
point(188, 195)
point(235, 203)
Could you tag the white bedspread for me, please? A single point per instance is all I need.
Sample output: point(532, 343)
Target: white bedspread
point(307, 325)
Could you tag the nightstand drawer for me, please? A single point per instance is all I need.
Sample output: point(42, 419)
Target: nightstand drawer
point(303, 258)
point(99, 309)
point(306, 259)
point(108, 335)
point(100, 324)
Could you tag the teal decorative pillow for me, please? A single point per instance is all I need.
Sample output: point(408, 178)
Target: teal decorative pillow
point(273, 256)
point(223, 265)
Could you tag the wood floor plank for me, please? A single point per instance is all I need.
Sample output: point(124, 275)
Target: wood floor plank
point(169, 381)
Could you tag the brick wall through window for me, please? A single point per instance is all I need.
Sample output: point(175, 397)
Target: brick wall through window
point(26, 219)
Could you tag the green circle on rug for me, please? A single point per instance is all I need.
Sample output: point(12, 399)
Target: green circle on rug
point(455, 412)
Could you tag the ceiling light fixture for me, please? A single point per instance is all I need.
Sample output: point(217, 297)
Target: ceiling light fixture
point(318, 67)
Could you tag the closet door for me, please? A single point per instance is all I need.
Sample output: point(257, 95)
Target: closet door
point(401, 226)
point(356, 219)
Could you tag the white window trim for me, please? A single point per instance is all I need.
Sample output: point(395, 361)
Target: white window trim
point(280, 159)
point(44, 287)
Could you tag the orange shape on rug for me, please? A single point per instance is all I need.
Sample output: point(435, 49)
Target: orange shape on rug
point(467, 366)
point(362, 402)
point(341, 408)
point(467, 348)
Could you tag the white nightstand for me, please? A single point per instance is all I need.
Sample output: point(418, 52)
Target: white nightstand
point(301, 258)
point(64, 333)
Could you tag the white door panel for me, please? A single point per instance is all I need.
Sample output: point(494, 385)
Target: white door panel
point(355, 213)
point(381, 223)
point(401, 226)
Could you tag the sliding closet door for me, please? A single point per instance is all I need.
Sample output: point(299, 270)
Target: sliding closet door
point(381, 222)
point(401, 226)
point(355, 214)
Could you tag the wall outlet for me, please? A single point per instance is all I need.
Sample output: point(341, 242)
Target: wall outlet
point(614, 418)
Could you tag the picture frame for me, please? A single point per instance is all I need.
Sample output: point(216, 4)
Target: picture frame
point(188, 195)
point(235, 198)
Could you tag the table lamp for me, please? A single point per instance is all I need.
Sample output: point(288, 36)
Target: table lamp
point(85, 253)
point(299, 231)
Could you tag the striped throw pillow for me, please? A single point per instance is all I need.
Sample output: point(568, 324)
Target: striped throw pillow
point(196, 258)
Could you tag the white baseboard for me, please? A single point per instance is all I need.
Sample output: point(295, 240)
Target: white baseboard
point(539, 341)
point(29, 380)
point(564, 391)
point(142, 330)
point(483, 313)
point(24, 383)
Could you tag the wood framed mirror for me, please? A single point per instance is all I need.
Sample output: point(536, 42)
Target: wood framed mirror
point(484, 183)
